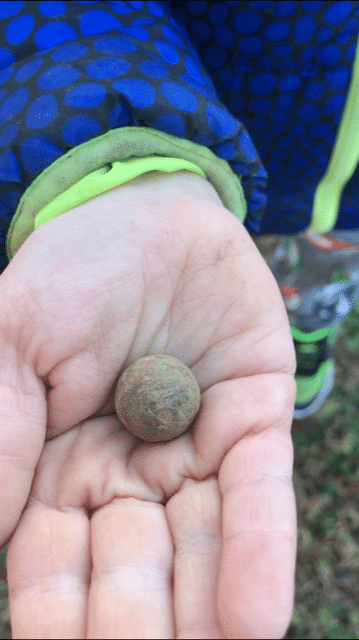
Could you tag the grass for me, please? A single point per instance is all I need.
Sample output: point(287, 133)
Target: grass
point(5, 631)
point(326, 481)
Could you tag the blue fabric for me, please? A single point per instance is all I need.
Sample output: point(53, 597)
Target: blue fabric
point(284, 70)
point(262, 84)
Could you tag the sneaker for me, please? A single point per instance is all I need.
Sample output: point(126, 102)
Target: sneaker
point(318, 275)
point(315, 372)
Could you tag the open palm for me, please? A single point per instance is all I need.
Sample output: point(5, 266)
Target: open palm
point(110, 536)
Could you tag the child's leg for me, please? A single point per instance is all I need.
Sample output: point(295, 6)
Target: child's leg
point(318, 275)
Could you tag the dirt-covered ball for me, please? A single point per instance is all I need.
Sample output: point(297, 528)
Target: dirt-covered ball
point(157, 398)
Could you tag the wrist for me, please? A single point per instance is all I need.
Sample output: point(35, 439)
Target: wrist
point(163, 186)
point(140, 212)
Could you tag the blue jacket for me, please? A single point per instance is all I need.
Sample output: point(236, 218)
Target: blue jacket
point(262, 85)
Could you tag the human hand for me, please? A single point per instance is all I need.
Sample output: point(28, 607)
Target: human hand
point(191, 538)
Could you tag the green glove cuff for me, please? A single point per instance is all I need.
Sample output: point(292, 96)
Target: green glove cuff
point(112, 159)
point(106, 178)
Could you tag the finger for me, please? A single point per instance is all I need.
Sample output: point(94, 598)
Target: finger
point(194, 516)
point(229, 411)
point(254, 410)
point(22, 434)
point(131, 585)
point(238, 408)
point(256, 586)
point(48, 573)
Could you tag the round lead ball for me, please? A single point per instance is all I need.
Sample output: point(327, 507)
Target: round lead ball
point(157, 398)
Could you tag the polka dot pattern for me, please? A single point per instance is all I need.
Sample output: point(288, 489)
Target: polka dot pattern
point(283, 69)
point(262, 84)
point(71, 71)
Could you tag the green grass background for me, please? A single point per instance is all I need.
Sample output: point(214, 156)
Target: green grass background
point(326, 481)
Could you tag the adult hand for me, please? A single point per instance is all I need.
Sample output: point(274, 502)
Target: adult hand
point(110, 537)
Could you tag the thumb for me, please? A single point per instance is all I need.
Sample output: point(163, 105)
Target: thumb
point(23, 416)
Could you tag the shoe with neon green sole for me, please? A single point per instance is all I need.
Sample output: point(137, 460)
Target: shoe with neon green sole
point(318, 276)
point(315, 372)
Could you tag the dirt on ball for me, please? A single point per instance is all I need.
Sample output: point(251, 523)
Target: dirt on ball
point(157, 398)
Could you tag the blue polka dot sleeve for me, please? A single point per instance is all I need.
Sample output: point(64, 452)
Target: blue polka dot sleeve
point(283, 69)
point(262, 84)
point(71, 71)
